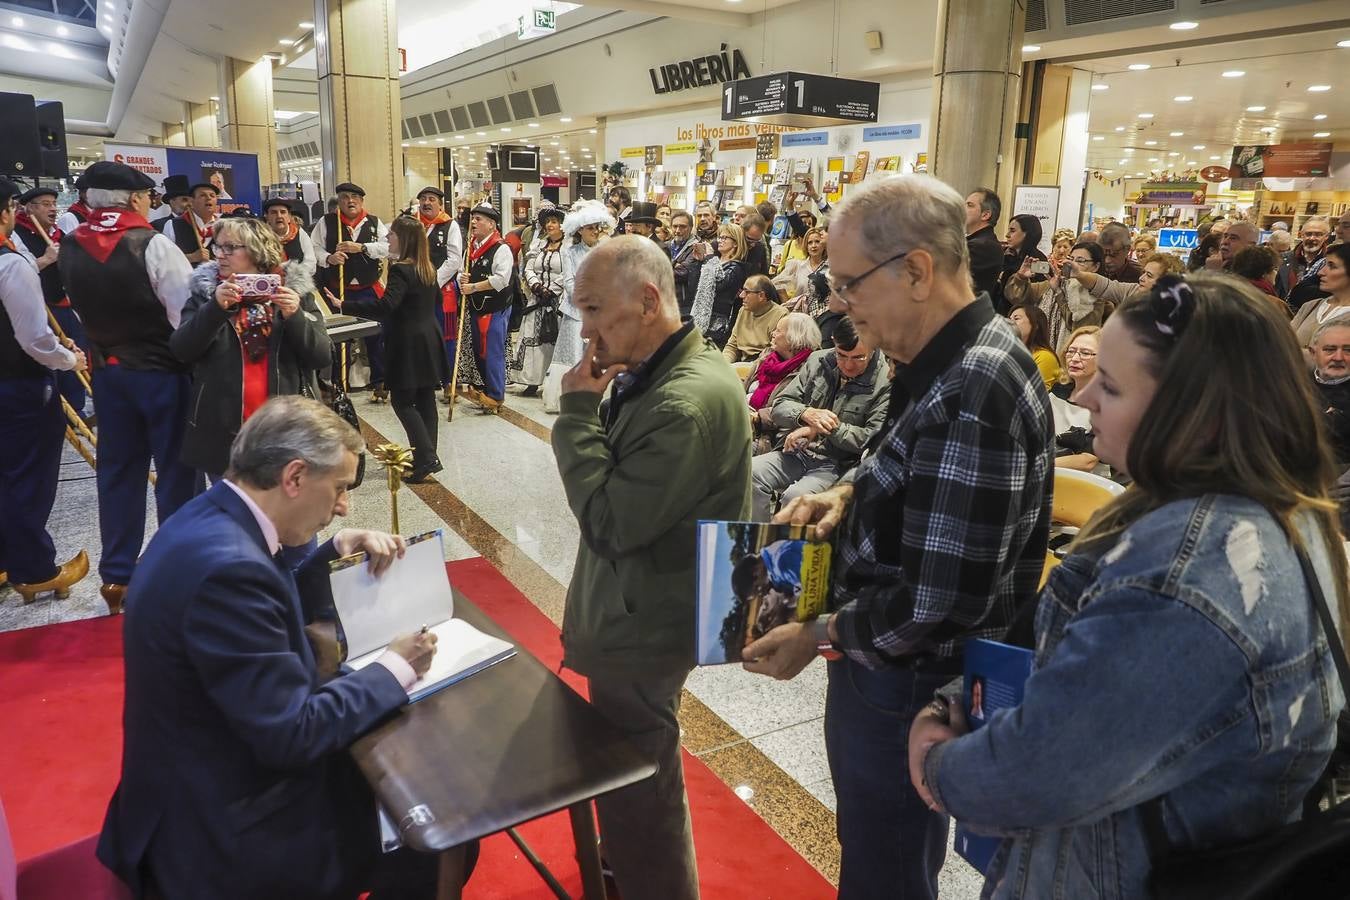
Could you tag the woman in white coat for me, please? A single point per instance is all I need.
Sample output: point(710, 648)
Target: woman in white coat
point(586, 225)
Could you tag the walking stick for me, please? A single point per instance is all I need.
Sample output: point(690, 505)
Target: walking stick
point(461, 307)
point(80, 448)
point(68, 343)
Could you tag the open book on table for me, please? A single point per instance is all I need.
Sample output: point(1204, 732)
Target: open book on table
point(412, 593)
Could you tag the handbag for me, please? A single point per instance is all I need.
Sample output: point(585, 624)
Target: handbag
point(550, 320)
point(336, 399)
point(1302, 859)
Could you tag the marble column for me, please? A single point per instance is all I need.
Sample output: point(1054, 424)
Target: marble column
point(246, 113)
point(356, 45)
point(201, 125)
point(976, 81)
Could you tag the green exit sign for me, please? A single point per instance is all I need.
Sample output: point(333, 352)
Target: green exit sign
point(539, 23)
point(546, 19)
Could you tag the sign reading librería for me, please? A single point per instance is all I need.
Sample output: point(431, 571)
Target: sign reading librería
point(701, 71)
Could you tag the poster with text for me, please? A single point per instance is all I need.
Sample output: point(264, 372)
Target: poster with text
point(1252, 163)
point(1041, 201)
point(234, 174)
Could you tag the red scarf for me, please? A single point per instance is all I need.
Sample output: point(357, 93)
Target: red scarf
point(22, 218)
point(80, 209)
point(1264, 286)
point(104, 228)
point(772, 373)
point(352, 224)
point(202, 233)
point(443, 216)
point(489, 243)
point(292, 230)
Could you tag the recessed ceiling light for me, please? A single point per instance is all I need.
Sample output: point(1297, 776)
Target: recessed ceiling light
point(1150, 143)
point(405, 145)
point(1215, 158)
point(1139, 67)
point(565, 119)
point(1175, 133)
point(1343, 43)
point(62, 30)
point(1120, 128)
point(506, 130)
point(1183, 26)
point(459, 137)
point(1184, 98)
point(481, 133)
point(1319, 117)
point(1322, 134)
point(1098, 137)
point(1031, 48)
point(1122, 162)
point(1268, 130)
point(306, 25)
point(1234, 73)
point(1256, 109)
point(593, 131)
point(1319, 88)
point(1101, 86)
point(213, 98)
point(1138, 174)
point(1174, 153)
point(1108, 171)
point(1146, 115)
point(286, 42)
point(1191, 162)
point(16, 22)
point(421, 142)
point(1153, 159)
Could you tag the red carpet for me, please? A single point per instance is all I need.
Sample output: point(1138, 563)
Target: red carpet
point(61, 707)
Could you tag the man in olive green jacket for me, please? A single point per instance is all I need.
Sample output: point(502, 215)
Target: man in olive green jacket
point(670, 447)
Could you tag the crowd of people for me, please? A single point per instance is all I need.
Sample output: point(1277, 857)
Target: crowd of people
point(891, 375)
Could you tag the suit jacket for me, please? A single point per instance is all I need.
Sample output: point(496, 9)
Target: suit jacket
point(415, 352)
point(235, 782)
point(986, 264)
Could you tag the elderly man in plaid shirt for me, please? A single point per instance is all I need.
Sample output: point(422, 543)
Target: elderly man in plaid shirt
point(942, 526)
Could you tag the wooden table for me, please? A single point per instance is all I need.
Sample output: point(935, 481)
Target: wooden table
point(498, 749)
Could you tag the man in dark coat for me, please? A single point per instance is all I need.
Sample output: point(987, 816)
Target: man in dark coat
point(986, 250)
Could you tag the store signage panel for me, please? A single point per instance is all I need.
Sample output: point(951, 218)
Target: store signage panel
point(1252, 163)
point(681, 149)
point(539, 23)
point(632, 152)
point(800, 99)
point(748, 143)
point(892, 133)
point(1172, 193)
point(701, 71)
point(1177, 239)
point(806, 139)
point(651, 155)
point(1215, 174)
point(1041, 201)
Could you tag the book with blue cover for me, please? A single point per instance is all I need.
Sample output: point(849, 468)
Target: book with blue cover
point(995, 678)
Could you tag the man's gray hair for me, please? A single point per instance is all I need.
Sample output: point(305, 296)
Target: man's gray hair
point(641, 260)
point(1319, 220)
point(801, 331)
point(1253, 233)
point(1114, 235)
point(895, 213)
point(1325, 327)
point(102, 198)
point(286, 429)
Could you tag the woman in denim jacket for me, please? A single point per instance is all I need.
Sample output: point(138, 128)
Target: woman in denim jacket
point(1178, 653)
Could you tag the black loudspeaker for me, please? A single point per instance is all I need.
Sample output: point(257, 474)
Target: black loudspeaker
point(20, 152)
point(51, 122)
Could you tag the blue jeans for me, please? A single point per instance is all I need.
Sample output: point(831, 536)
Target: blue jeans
point(892, 845)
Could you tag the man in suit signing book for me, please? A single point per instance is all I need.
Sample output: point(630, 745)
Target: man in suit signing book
point(235, 780)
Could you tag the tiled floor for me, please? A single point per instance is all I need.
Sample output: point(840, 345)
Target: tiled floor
point(500, 497)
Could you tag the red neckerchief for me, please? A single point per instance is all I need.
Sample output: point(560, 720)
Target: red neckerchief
point(352, 224)
point(443, 216)
point(79, 207)
point(191, 218)
point(99, 234)
point(489, 242)
point(22, 218)
point(294, 229)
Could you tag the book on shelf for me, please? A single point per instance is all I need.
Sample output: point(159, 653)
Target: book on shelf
point(995, 678)
point(414, 592)
point(753, 577)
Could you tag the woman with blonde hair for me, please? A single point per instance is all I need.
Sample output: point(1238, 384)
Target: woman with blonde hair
point(1073, 428)
point(415, 358)
point(717, 299)
point(1185, 693)
point(795, 278)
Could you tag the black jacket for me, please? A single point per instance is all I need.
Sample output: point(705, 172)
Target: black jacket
point(687, 270)
point(986, 264)
point(756, 258)
point(414, 354)
point(206, 341)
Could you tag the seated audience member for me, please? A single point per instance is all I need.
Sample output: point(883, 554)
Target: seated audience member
point(794, 338)
point(825, 418)
point(717, 299)
point(236, 777)
point(795, 278)
point(1117, 292)
point(760, 312)
point(1334, 280)
point(1034, 330)
point(1073, 427)
point(1181, 575)
point(1331, 376)
point(1067, 304)
point(756, 246)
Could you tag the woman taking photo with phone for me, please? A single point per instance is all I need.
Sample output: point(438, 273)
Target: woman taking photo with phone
point(1063, 298)
point(245, 338)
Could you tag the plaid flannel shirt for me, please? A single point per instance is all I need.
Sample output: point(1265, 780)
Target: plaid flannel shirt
point(947, 533)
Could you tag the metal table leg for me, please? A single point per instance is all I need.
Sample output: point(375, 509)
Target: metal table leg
point(588, 850)
point(450, 878)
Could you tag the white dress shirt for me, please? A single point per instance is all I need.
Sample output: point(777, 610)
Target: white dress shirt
point(454, 255)
point(167, 228)
point(170, 275)
point(21, 296)
point(503, 261)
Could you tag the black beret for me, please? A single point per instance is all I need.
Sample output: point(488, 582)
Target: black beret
point(431, 190)
point(176, 186)
point(484, 209)
point(348, 188)
point(31, 195)
point(81, 182)
point(106, 175)
point(204, 184)
point(277, 201)
point(8, 190)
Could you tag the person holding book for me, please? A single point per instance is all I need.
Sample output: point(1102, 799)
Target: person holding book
point(1201, 578)
point(670, 447)
point(942, 527)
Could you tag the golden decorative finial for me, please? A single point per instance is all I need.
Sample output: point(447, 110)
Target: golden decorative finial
point(397, 461)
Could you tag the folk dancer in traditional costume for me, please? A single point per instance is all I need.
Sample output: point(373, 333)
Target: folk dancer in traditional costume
point(38, 237)
point(77, 212)
point(128, 284)
point(177, 198)
point(30, 407)
point(353, 242)
point(543, 273)
point(191, 232)
point(588, 223)
point(446, 247)
point(296, 244)
point(486, 288)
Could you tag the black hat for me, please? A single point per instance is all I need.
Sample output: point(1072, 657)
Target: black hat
point(484, 209)
point(278, 201)
point(39, 191)
point(203, 184)
point(431, 190)
point(82, 181)
point(176, 186)
point(549, 212)
point(8, 190)
point(106, 175)
point(645, 213)
point(348, 188)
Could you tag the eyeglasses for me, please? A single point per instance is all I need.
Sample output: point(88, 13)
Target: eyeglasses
point(1081, 354)
point(843, 290)
point(226, 249)
point(846, 357)
point(1082, 260)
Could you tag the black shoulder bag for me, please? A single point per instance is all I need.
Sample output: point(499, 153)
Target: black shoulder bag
point(1306, 859)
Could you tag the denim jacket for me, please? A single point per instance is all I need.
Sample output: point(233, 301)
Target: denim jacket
point(1186, 662)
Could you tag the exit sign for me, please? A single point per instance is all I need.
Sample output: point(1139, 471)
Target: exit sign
point(538, 23)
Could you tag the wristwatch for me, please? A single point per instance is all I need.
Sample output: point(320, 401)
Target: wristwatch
point(820, 631)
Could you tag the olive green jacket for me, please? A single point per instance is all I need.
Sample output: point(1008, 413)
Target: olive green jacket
point(676, 452)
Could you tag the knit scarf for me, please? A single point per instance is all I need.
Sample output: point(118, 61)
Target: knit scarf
point(443, 216)
point(104, 229)
point(22, 218)
point(253, 323)
point(772, 373)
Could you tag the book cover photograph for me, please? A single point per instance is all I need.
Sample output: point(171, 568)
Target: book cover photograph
point(753, 577)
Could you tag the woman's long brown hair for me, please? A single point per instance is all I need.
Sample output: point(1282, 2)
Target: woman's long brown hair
point(413, 248)
point(1235, 413)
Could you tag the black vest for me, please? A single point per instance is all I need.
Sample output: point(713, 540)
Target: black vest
point(360, 270)
point(438, 243)
point(52, 291)
point(14, 362)
point(79, 216)
point(489, 301)
point(295, 251)
point(185, 235)
point(117, 304)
